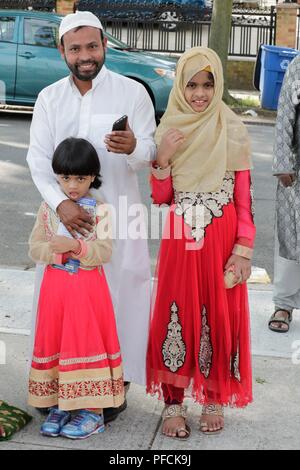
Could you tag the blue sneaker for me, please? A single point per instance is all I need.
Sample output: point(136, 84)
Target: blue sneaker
point(56, 419)
point(83, 425)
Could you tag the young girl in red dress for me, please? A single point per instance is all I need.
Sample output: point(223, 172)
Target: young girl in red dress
point(76, 362)
point(199, 343)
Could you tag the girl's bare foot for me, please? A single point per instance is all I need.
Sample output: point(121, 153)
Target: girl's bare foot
point(212, 419)
point(174, 427)
point(174, 424)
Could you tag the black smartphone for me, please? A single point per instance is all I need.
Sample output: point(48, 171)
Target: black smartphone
point(120, 124)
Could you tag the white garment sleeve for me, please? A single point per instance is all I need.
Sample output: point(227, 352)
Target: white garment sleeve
point(40, 153)
point(143, 126)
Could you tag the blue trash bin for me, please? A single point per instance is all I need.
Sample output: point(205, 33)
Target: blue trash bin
point(274, 63)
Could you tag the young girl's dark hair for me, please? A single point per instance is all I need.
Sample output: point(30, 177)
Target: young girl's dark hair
point(75, 156)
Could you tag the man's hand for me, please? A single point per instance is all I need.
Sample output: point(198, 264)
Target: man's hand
point(74, 217)
point(121, 141)
point(60, 244)
point(287, 179)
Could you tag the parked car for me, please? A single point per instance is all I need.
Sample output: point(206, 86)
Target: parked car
point(30, 60)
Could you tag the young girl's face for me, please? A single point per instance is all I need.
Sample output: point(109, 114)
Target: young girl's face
point(199, 91)
point(75, 186)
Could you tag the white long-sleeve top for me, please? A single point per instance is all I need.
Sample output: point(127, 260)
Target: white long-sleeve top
point(61, 112)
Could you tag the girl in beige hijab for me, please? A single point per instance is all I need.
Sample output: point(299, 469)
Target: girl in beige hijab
point(199, 337)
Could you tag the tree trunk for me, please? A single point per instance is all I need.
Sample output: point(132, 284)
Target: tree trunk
point(219, 37)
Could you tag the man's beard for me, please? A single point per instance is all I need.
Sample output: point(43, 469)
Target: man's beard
point(86, 76)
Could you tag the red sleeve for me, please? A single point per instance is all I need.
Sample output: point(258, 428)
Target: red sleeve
point(244, 208)
point(162, 189)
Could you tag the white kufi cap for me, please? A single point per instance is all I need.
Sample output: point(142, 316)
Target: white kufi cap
point(80, 18)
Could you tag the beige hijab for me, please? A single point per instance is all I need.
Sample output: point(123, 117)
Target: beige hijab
point(216, 140)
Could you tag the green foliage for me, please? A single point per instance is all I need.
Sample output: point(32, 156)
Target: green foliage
point(246, 103)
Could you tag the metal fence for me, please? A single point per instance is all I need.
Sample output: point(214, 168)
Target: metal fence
point(45, 5)
point(244, 41)
point(145, 28)
point(163, 27)
point(249, 31)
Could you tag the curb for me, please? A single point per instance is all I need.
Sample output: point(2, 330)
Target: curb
point(7, 108)
point(259, 123)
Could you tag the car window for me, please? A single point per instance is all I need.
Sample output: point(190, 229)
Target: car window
point(7, 26)
point(40, 33)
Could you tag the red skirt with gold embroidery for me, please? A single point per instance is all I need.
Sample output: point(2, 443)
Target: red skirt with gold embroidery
point(200, 335)
point(76, 361)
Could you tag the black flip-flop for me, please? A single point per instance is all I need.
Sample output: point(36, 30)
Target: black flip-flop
point(286, 321)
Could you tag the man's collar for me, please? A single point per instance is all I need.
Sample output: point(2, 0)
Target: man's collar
point(98, 79)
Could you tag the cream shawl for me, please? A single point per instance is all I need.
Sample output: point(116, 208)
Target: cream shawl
point(216, 140)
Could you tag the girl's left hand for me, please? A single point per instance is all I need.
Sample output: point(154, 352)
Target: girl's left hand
point(171, 140)
point(60, 244)
point(242, 267)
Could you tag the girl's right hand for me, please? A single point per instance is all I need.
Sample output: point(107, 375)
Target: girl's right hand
point(170, 143)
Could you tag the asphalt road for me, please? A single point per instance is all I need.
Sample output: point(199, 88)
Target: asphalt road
point(19, 199)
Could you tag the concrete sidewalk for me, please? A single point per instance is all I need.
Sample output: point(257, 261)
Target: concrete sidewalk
point(271, 422)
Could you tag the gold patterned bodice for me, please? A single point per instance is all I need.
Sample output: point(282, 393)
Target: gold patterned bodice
point(199, 209)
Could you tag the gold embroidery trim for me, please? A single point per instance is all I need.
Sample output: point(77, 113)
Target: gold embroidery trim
point(174, 349)
point(206, 350)
point(76, 389)
point(235, 366)
point(242, 250)
point(199, 209)
point(44, 360)
point(77, 360)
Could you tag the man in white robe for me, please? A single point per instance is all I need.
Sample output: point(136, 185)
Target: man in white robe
point(86, 104)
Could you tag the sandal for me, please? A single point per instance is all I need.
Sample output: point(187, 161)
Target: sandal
point(176, 411)
point(211, 409)
point(280, 319)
